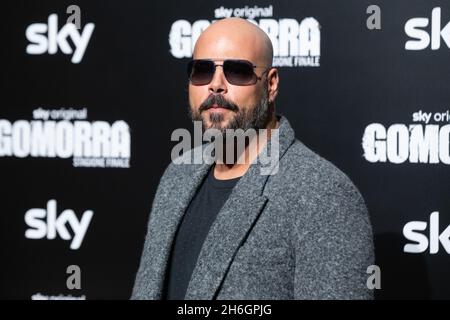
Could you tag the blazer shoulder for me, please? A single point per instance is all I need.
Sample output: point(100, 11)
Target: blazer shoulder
point(308, 177)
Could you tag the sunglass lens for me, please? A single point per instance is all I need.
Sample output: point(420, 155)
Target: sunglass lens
point(239, 73)
point(200, 72)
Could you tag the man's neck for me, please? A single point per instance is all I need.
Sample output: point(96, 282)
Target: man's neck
point(224, 171)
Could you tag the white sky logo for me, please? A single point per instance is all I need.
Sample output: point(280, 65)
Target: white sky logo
point(412, 229)
point(46, 223)
point(46, 38)
point(414, 29)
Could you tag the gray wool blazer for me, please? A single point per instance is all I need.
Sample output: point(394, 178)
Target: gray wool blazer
point(302, 233)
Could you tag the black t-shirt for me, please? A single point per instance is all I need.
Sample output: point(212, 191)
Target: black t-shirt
point(192, 231)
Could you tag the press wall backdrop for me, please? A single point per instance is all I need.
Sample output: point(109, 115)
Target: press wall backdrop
point(92, 90)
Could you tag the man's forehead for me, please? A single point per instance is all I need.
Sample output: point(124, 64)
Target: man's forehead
point(223, 47)
point(234, 38)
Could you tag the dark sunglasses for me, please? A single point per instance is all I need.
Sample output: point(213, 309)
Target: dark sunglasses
point(237, 72)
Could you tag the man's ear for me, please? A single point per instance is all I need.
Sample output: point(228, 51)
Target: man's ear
point(272, 84)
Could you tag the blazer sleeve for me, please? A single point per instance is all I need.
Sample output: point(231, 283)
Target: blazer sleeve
point(334, 246)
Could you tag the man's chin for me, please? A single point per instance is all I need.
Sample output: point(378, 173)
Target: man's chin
point(219, 125)
point(222, 126)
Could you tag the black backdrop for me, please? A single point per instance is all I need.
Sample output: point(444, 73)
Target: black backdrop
point(128, 75)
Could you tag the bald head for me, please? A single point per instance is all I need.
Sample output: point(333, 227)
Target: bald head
point(235, 38)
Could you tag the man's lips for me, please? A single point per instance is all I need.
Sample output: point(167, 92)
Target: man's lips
point(217, 107)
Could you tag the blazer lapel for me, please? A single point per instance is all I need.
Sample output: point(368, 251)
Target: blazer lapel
point(163, 229)
point(228, 231)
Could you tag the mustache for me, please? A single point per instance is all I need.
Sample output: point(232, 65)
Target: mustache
point(218, 100)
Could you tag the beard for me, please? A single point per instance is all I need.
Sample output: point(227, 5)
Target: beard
point(250, 117)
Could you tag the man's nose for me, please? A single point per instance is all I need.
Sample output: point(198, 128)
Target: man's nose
point(218, 83)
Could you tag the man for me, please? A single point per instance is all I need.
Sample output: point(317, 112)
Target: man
point(226, 231)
